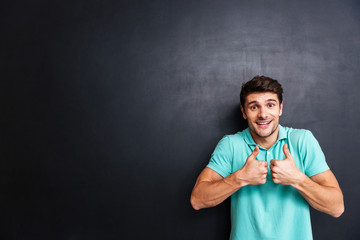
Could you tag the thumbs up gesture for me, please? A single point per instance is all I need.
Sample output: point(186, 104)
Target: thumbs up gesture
point(254, 171)
point(285, 171)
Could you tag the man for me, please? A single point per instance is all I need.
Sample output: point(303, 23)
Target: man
point(271, 172)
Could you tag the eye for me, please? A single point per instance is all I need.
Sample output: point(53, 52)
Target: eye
point(270, 105)
point(253, 107)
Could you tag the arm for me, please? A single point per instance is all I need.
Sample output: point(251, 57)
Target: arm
point(322, 190)
point(212, 189)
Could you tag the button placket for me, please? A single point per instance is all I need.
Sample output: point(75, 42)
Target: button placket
point(268, 159)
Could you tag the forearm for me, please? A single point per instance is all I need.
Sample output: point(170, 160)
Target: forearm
point(211, 193)
point(323, 198)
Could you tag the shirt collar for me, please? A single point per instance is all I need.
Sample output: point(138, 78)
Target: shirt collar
point(250, 141)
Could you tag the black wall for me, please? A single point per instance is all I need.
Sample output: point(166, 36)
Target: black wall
point(110, 109)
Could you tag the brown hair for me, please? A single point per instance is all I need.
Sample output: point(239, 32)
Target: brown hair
point(260, 84)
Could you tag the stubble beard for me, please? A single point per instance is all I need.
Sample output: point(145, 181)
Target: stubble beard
point(272, 131)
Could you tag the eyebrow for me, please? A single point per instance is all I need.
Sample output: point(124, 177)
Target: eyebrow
point(268, 100)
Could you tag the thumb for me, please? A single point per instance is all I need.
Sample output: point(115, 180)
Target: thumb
point(254, 153)
point(286, 151)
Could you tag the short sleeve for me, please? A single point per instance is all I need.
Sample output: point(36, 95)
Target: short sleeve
point(314, 158)
point(222, 157)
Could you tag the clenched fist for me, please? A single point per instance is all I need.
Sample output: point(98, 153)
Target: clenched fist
point(285, 171)
point(254, 171)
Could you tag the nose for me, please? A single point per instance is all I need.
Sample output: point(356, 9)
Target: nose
point(262, 114)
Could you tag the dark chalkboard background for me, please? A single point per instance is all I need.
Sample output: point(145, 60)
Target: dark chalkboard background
point(110, 109)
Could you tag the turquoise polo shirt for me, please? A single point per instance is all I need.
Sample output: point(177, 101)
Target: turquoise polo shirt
point(269, 211)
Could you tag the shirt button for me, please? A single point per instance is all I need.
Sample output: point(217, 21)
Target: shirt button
point(267, 153)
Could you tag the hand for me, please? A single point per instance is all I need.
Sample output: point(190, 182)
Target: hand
point(254, 171)
point(285, 171)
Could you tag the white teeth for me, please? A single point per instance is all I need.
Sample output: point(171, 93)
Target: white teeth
point(264, 123)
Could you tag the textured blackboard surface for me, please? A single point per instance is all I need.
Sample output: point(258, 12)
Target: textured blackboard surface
point(110, 109)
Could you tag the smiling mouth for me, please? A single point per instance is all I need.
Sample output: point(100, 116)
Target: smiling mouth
point(263, 123)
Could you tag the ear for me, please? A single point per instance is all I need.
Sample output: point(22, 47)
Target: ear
point(281, 108)
point(243, 112)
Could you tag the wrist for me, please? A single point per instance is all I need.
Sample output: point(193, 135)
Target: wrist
point(240, 179)
point(299, 180)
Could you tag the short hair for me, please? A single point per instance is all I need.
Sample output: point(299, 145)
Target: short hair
point(260, 84)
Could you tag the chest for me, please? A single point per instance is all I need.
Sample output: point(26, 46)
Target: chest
point(240, 155)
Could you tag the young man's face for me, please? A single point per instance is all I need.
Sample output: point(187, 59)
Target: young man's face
point(262, 111)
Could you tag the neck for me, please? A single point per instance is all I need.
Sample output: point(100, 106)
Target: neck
point(266, 142)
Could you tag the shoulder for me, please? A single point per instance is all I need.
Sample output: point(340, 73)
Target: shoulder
point(296, 134)
point(302, 139)
point(236, 138)
point(229, 141)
